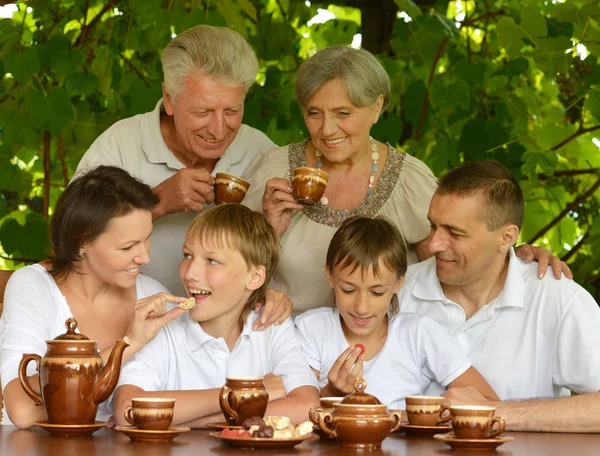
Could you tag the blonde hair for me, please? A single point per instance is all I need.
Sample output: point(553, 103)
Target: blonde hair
point(217, 52)
point(363, 242)
point(245, 231)
point(363, 76)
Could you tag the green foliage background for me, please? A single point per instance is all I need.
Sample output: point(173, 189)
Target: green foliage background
point(497, 79)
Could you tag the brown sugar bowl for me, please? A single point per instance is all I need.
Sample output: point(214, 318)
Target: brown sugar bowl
point(360, 421)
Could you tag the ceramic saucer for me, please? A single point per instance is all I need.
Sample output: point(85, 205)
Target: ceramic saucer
point(259, 442)
point(222, 425)
point(423, 431)
point(471, 444)
point(143, 435)
point(71, 430)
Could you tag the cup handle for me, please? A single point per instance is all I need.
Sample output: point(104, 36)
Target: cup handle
point(501, 425)
point(33, 394)
point(397, 415)
point(444, 419)
point(313, 414)
point(229, 413)
point(129, 415)
point(324, 418)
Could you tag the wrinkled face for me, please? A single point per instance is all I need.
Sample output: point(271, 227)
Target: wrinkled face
point(464, 248)
point(116, 255)
point(207, 116)
point(218, 277)
point(363, 299)
point(339, 129)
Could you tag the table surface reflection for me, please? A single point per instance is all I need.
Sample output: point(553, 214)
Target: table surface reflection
point(198, 442)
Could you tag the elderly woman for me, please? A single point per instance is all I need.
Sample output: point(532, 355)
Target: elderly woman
point(342, 93)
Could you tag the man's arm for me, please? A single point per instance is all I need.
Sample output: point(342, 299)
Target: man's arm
point(190, 405)
point(580, 414)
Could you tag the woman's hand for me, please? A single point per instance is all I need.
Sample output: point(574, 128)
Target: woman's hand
point(276, 310)
point(279, 203)
point(149, 315)
point(529, 253)
point(344, 372)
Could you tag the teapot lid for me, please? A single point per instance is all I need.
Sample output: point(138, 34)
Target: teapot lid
point(360, 397)
point(71, 325)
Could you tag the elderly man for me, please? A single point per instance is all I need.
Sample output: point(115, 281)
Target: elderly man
point(533, 340)
point(194, 132)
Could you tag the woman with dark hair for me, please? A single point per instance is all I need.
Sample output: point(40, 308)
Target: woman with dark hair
point(99, 235)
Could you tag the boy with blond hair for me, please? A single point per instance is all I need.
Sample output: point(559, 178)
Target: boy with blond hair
point(229, 256)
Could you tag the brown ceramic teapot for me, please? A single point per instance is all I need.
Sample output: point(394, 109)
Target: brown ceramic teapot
point(360, 420)
point(72, 379)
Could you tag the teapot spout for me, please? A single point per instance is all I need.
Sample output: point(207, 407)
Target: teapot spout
point(109, 375)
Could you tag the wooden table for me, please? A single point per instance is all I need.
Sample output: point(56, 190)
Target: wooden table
point(198, 443)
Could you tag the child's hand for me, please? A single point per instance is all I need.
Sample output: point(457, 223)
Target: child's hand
point(346, 369)
point(275, 386)
point(149, 315)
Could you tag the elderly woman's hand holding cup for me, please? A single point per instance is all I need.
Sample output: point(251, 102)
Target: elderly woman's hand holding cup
point(279, 203)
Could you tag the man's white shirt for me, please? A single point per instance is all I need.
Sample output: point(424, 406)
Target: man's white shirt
point(539, 338)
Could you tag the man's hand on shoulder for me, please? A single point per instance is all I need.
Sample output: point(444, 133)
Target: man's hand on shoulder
point(188, 190)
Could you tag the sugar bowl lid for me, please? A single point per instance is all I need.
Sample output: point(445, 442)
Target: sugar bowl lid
point(360, 397)
point(71, 325)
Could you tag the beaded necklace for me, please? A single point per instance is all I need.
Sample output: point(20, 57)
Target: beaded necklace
point(374, 166)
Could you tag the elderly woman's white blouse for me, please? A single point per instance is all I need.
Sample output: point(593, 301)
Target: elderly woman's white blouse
point(402, 194)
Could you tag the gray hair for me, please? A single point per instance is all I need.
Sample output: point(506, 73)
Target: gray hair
point(363, 76)
point(218, 52)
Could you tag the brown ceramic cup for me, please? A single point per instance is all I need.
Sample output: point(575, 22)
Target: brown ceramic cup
point(155, 414)
point(309, 185)
point(229, 188)
point(475, 421)
point(426, 410)
point(243, 397)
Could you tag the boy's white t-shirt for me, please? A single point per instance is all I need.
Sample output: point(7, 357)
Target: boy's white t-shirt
point(183, 357)
point(35, 311)
point(416, 353)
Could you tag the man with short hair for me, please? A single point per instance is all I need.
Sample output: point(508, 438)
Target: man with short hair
point(194, 132)
point(531, 339)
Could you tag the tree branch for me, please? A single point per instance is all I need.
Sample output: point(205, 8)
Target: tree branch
point(135, 70)
point(579, 132)
point(575, 248)
point(61, 156)
point(471, 22)
point(571, 206)
point(93, 22)
point(569, 172)
point(426, 101)
point(46, 197)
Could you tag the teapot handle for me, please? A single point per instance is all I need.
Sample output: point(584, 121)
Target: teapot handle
point(324, 418)
point(313, 414)
point(229, 413)
point(397, 416)
point(37, 397)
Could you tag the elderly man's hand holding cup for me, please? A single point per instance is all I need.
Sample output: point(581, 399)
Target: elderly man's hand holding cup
point(188, 190)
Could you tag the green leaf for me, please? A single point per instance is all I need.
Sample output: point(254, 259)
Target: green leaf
point(511, 36)
point(592, 104)
point(232, 14)
point(409, 7)
point(61, 112)
point(514, 67)
point(29, 240)
point(450, 95)
point(22, 65)
point(546, 161)
point(533, 22)
point(565, 12)
point(248, 8)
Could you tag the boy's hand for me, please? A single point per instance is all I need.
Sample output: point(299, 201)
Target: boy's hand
point(346, 369)
point(149, 315)
point(276, 310)
point(274, 386)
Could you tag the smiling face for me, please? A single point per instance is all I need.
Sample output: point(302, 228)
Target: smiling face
point(339, 129)
point(206, 115)
point(116, 255)
point(363, 298)
point(466, 251)
point(218, 277)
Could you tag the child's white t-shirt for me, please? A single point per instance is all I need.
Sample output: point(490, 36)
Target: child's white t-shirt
point(183, 357)
point(417, 351)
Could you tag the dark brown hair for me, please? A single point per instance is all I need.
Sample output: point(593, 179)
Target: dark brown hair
point(85, 208)
point(245, 231)
point(503, 197)
point(362, 242)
